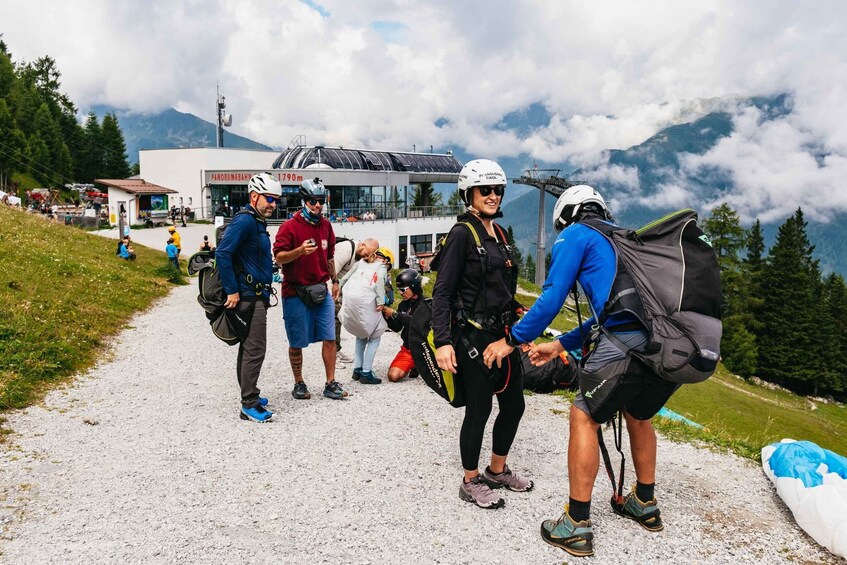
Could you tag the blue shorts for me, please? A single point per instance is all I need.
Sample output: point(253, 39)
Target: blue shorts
point(304, 325)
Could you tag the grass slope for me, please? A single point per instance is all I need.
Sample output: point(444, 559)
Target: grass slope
point(63, 293)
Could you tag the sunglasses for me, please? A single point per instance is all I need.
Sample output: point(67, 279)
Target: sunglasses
point(402, 289)
point(314, 201)
point(271, 199)
point(498, 190)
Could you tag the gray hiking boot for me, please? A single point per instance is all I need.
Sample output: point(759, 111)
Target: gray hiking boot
point(577, 538)
point(301, 392)
point(479, 493)
point(343, 357)
point(645, 513)
point(506, 479)
point(334, 391)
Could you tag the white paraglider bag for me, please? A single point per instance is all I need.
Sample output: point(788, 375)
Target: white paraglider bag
point(358, 314)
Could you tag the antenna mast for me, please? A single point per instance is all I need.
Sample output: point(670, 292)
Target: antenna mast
point(223, 119)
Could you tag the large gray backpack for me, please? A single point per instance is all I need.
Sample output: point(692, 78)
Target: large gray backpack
point(667, 277)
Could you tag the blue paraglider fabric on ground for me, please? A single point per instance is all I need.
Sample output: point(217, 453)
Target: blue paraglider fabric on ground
point(812, 482)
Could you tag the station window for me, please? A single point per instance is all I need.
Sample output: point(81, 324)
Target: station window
point(421, 243)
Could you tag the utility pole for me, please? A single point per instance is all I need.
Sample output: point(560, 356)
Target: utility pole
point(547, 181)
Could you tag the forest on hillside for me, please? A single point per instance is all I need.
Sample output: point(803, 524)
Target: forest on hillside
point(42, 143)
point(783, 320)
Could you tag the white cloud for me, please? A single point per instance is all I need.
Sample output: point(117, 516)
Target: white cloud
point(610, 74)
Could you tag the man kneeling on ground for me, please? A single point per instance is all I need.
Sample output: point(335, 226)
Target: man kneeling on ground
point(410, 288)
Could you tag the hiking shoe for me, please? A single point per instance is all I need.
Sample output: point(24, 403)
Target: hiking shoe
point(479, 493)
point(506, 479)
point(343, 357)
point(645, 513)
point(333, 390)
point(368, 378)
point(300, 391)
point(263, 401)
point(256, 414)
point(357, 373)
point(577, 538)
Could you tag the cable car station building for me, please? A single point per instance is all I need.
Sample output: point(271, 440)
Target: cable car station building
point(370, 193)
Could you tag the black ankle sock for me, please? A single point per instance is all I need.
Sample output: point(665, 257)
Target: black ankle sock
point(644, 492)
point(579, 510)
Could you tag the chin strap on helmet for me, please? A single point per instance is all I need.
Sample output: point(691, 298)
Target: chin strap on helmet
point(484, 216)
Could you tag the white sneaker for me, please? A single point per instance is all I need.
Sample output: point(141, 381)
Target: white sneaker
point(342, 357)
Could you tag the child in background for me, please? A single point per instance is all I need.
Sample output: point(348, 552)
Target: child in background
point(173, 253)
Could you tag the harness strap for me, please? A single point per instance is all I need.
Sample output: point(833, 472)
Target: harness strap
point(617, 432)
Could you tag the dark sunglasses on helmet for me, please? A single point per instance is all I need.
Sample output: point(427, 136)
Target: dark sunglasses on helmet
point(402, 289)
point(498, 190)
point(314, 201)
point(271, 199)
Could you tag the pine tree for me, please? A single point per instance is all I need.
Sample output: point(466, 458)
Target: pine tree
point(37, 155)
point(91, 158)
point(424, 195)
point(115, 165)
point(788, 354)
point(529, 268)
point(7, 74)
point(455, 199)
point(517, 256)
point(833, 320)
point(58, 167)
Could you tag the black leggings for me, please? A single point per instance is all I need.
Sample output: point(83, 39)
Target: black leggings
point(477, 388)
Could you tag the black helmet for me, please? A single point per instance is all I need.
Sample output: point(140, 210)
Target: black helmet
point(312, 188)
point(410, 278)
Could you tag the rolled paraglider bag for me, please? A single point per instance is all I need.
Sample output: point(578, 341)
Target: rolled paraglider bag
point(813, 484)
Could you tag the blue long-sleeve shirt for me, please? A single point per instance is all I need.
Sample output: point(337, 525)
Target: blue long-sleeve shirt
point(580, 254)
point(247, 245)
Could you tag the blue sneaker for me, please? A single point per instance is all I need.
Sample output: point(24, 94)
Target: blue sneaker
point(357, 373)
point(256, 414)
point(577, 538)
point(368, 378)
point(263, 401)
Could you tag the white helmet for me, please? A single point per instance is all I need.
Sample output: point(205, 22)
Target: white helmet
point(265, 183)
point(571, 202)
point(479, 172)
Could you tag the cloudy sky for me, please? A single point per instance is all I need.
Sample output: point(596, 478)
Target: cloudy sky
point(393, 73)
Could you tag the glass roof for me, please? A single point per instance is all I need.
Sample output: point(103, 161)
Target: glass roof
point(366, 160)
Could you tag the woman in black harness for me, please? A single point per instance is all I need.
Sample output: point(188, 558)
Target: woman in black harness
point(473, 304)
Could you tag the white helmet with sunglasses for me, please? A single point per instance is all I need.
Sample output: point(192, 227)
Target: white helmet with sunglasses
point(265, 184)
point(480, 172)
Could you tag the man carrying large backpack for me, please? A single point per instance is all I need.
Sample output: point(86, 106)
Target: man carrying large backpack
point(611, 380)
point(243, 258)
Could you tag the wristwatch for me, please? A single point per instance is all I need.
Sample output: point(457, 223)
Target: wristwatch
point(510, 340)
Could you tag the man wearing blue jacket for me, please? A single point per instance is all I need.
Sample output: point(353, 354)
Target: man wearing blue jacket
point(243, 258)
point(581, 254)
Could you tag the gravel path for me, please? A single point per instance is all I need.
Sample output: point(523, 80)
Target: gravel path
point(144, 459)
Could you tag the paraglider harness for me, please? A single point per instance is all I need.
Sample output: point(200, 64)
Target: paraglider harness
point(465, 325)
point(228, 325)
